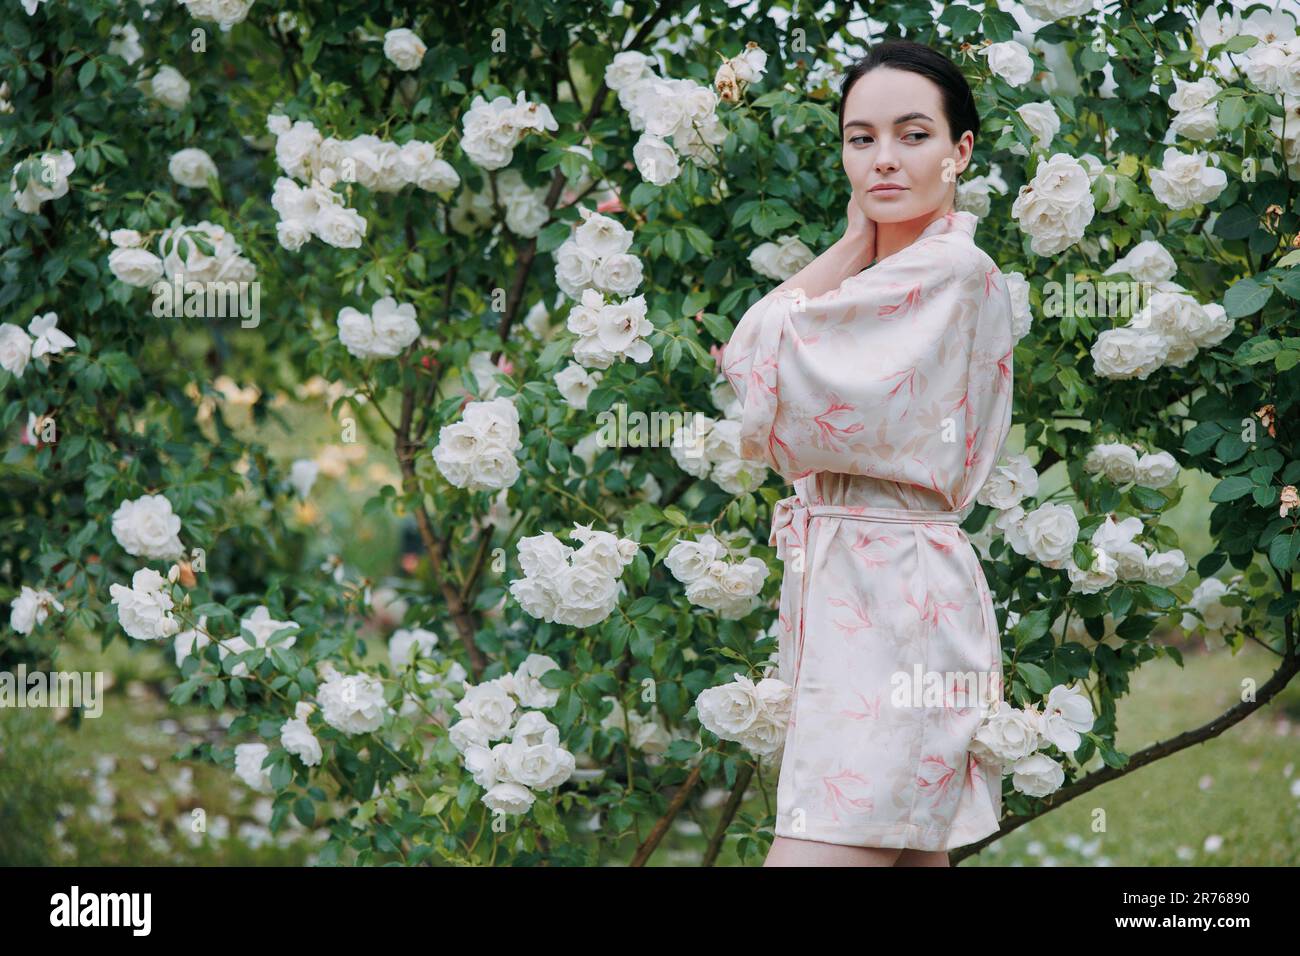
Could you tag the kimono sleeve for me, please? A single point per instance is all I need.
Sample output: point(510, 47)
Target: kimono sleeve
point(834, 383)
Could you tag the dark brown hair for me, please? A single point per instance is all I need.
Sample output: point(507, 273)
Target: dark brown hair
point(958, 101)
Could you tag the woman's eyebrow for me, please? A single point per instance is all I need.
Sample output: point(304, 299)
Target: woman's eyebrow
point(902, 119)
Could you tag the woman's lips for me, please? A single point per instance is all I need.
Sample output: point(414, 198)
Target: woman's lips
point(887, 189)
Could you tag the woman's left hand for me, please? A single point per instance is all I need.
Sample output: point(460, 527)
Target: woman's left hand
point(861, 231)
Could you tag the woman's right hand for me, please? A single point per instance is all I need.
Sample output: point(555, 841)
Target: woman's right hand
point(861, 231)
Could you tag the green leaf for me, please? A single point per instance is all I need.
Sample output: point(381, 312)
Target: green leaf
point(553, 236)
point(305, 811)
point(1232, 488)
point(281, 771)
point(1246, 297)
point(1283, 551)
point(1036, 679)
point(1031, 627)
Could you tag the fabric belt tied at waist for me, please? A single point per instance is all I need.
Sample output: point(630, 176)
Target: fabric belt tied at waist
point(790, 522)
point(790, 518)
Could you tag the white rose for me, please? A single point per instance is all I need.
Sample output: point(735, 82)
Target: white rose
point(1186, 179)
point(496, 420)
point(1128, 352)
point(1056, 206)
point(126, 238)
point(627, 68)
point(737, 476)
point(541, 767)
point(248, 766)
point(1116, 461)
point(541, 556)
point(1166, 568)
point(728, 710)
point(751, 64)
point(339, 225)
point(1011, 524)
point(356, 332)
point(529, 688)
point(192, 167)
point(169, 88)
point(509, 798)
point(1207, 599)
point(655, 160)
point(226, 13)
point(297, 738)
point(526, 115)
point(468, 733)
point(665, 109)
point(1067, 712)
point(395, 326)
point(1051, 530)
point(147, 527)
point(574, 268)
point(295, 149)
point(353, 704)
point(1213, 28)
point(490, 707)
point(1112, 534)
point(262, 626)
point(1008, 734)
point(1051, 10)
point(1156, 470)
point(1043, 123)
point(623, 328)
point(144, 609)
point(619, 274)
point(47, 178)
point(136, 267)
point(1037, 775)
point(15, 349)
point(973, 196)
point(600, 236)
point(1012, 480)
point(527, 214)
point(30, 608)
point(1010, 61)
point(1148, 261)
point(404, 49)
point(191, 641)
point(1102, 574)
point(587, 594)
point(781, 259)
point(575, 384)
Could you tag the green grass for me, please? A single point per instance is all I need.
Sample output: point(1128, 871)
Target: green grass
point(108, 793)
point(1236, 786)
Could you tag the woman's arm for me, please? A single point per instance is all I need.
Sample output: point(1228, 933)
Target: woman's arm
point(847, 256)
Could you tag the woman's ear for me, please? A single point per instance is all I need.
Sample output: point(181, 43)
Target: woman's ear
point(965, 149)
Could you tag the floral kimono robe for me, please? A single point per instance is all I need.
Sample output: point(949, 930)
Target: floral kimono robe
point(886, 403)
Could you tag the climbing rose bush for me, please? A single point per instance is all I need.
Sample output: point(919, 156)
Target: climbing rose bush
point(449, 230)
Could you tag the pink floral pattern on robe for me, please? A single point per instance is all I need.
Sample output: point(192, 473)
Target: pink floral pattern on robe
point(886, 403)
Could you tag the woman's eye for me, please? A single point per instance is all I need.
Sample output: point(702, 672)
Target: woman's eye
point(863, 138)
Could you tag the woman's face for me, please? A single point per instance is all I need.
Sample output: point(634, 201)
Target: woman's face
point(895, 132)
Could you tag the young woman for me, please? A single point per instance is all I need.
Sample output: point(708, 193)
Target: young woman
point(884, 396)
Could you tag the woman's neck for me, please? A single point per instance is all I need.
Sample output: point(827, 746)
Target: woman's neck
point(893, 236)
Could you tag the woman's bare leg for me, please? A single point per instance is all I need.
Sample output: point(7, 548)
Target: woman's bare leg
point(788, 852)
point(923, 858)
